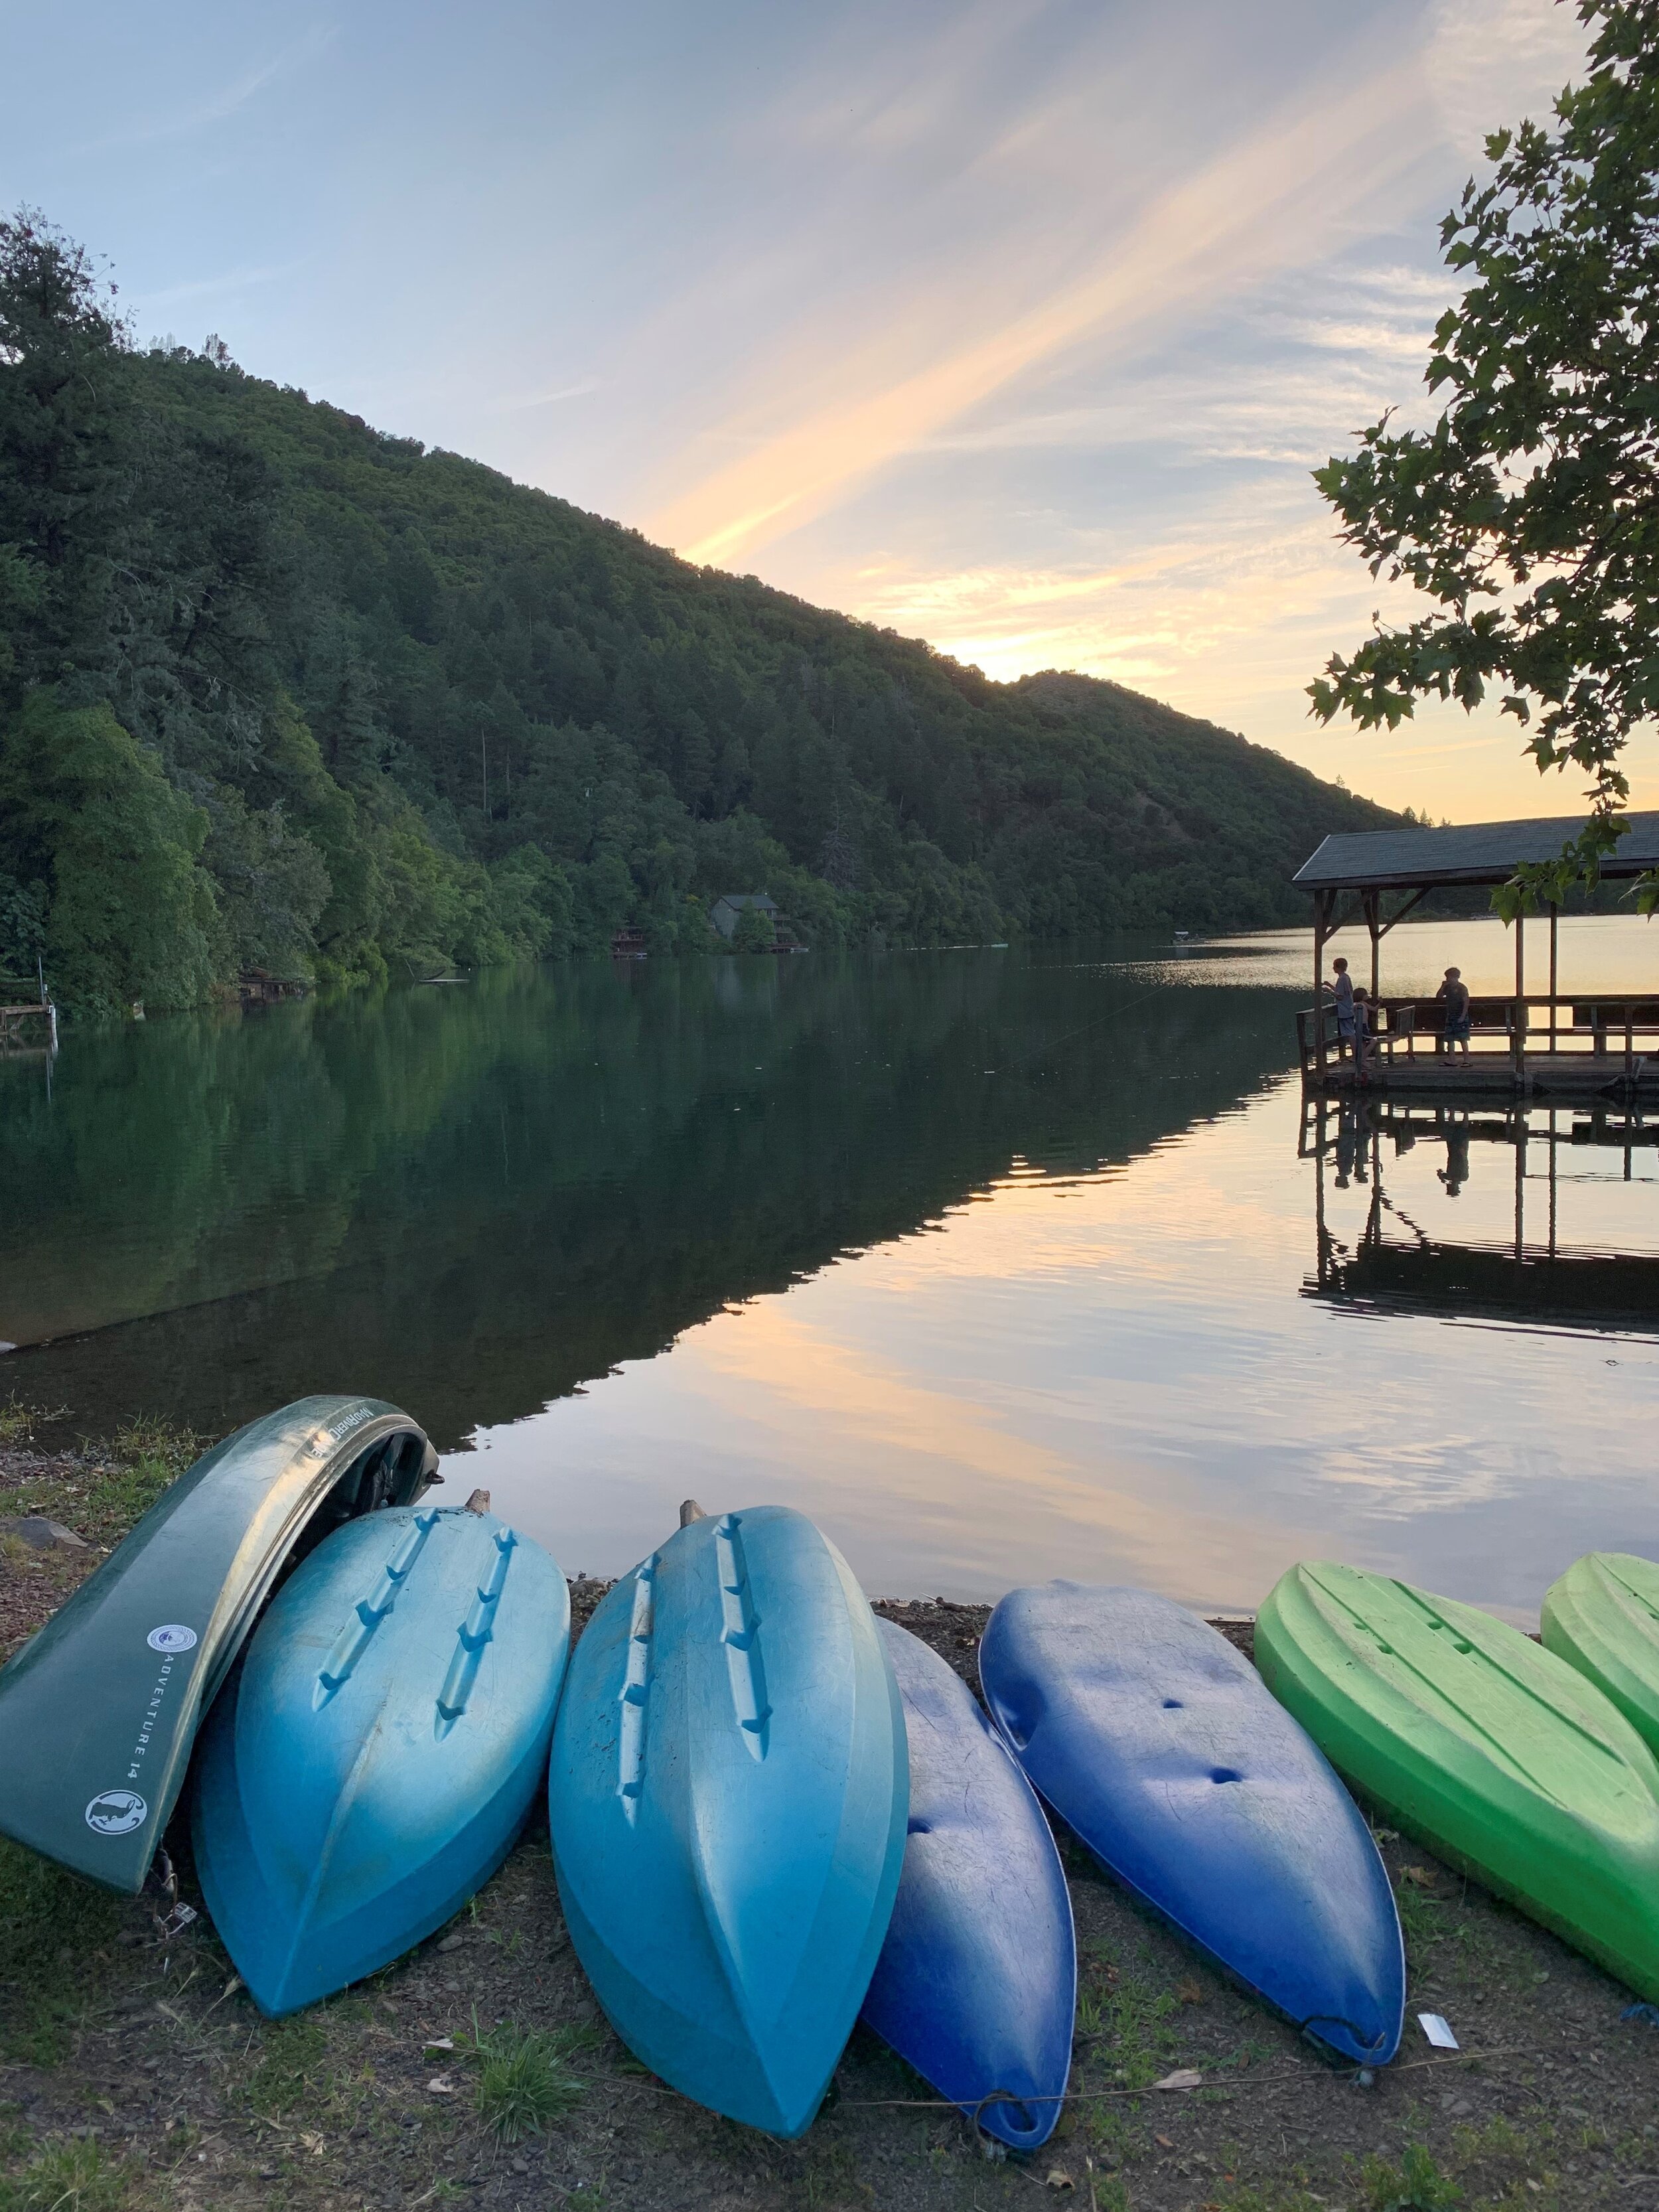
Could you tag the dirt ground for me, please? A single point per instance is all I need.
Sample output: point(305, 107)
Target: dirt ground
point(135, 2073)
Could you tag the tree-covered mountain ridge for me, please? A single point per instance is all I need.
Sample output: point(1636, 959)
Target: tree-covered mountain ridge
point(279, 691)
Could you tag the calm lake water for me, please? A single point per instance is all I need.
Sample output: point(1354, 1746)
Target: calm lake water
point(1002, 1265)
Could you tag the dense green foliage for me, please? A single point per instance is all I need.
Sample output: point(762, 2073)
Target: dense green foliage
point(1527, 512)
point(279, 692)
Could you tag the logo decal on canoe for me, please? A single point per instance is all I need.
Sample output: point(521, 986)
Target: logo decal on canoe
point(117, 1811)
point(173, 1638)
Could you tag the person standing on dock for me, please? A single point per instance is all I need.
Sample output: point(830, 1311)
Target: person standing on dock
point(1454, 992)
point(1342, 991)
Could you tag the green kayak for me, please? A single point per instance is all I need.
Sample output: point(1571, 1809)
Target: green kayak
point(1603, 1618)
point(1492, 1751)
point(99, 1709)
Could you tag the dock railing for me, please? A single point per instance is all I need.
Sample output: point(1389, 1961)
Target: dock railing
point(1598, 1026)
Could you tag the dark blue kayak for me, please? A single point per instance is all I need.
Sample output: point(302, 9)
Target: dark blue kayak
point(370, 1768)
point(976, 1984)
point(727, 1796)
point(1162, 1748)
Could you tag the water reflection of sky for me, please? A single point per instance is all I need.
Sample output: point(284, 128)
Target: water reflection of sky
point(1610, 953)
point(1120, 1377)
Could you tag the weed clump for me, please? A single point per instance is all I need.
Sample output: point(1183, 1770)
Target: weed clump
point(1416, 2185)
point(524, 2080)
point(71, 2177)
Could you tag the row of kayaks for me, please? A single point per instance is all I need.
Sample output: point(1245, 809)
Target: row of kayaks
point(772, 1814)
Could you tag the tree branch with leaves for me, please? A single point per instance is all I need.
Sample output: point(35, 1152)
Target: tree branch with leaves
point(1528, 513)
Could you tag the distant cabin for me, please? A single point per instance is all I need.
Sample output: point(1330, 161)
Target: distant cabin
point(728, 912)
point(628, 943)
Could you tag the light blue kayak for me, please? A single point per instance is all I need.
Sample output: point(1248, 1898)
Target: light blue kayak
point(1164, 1748)
point(976, 1984)
point(370, 1767)
point(728, 1794)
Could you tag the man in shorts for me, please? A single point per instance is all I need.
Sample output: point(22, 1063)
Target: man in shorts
point(1342, 991)
point(1454, 993)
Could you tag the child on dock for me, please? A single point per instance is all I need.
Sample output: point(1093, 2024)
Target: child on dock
point(1454, 992)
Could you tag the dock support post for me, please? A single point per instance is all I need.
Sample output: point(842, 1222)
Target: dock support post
point(1555, 976)
point(1322, 916)
point(1373, 922)
point(1518, 1018)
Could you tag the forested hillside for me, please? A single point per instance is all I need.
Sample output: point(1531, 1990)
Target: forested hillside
point(278, 691)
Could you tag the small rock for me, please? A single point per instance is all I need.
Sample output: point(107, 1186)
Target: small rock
point(521, 2165)
point(440, 2086)
point(451, 1942)
point(41, 1535)
point(1184, 2077)
point(1057, 2178)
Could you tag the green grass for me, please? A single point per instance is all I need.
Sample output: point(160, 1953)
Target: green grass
point(72, 2177)
point(18, 1422)
point(103, 1493)
point(1288, 2195)
point(524, 2078)
point(291, 2055)
point(146, 1456)
point(1134, 2017)
point(55, 1929)
point(1416, 2185)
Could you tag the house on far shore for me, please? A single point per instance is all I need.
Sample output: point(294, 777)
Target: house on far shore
point(728, 912)
point(628, 943)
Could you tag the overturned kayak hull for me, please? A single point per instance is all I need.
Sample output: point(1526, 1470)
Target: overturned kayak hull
point(1491, 1750)
point(1158, 1743)
point(370, 1767)
point(1603, 1618)
point(727, 1798)
point(98, 1711)
point(976, 1984)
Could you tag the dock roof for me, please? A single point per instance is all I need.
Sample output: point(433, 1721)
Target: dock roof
point(1476, 852)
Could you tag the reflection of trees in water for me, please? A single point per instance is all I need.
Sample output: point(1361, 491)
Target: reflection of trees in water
point(472, 1200)
point(1531, 1279)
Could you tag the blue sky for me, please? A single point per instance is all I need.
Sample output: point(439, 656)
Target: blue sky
point(1017, 326)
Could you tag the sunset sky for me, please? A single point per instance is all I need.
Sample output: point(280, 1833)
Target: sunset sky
point(1017, 326)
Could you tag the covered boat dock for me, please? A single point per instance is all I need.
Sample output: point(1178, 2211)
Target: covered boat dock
point(1532, 1042)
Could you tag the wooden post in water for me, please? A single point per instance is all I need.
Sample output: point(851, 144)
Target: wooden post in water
point(1555, 978)
point(1518, 1018)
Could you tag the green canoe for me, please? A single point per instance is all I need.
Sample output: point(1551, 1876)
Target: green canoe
point(99, 1709)
point(1493, 1752)
point(1603, 1618)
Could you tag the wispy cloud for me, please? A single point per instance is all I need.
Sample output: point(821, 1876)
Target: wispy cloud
point(1286, 191)
point(514, 403)
point(218, 106)
point(206, 288)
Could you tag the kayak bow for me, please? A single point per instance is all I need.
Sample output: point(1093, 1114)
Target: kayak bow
point(99, 1710)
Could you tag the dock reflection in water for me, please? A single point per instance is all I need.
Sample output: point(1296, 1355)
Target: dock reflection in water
point(1564, 1173)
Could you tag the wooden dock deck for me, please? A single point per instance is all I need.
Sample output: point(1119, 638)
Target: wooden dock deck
point(1533, 1047)
point(13, 1018)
